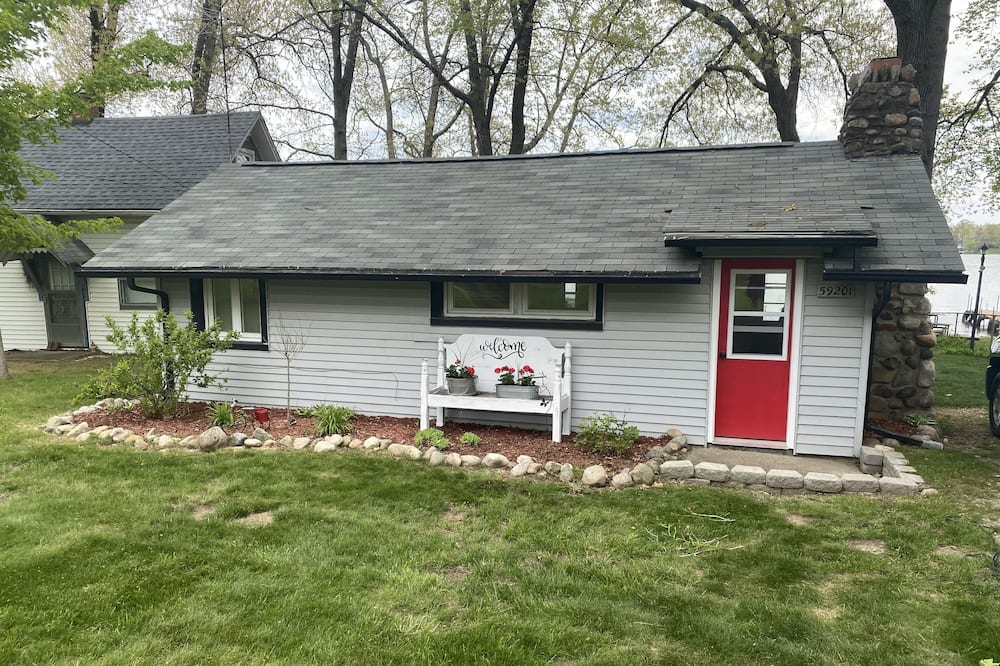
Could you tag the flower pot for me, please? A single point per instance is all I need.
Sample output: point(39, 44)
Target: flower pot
point(461, 385)
point(517, 391)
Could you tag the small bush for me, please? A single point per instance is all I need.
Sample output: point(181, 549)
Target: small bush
point(306, 412)
point(470, 439)
point(605, 434)
point(431, 436)
point(220, 414)
point(160, 358)
point(333, 419)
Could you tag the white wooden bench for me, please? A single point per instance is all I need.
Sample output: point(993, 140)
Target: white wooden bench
point(485, 353)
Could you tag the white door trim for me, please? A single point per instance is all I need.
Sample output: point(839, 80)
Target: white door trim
point(713, 349)
point(796, 352)
point(866, 360)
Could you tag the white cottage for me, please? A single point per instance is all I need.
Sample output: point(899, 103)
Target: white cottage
point(725, 291)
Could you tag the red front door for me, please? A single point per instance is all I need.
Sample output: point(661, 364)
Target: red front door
point(754, 349)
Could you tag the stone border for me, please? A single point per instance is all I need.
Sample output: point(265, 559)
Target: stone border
point(897, 477)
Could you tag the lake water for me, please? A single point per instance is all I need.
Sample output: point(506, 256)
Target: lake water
point(950, 300)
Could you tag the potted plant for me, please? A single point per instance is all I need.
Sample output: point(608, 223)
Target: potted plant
point(461, 378)
point(516, 382)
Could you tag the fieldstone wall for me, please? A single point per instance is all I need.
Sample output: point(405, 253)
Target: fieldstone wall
point(882, 116)
point(902, 362)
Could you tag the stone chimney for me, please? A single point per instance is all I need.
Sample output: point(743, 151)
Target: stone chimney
point(882, 116)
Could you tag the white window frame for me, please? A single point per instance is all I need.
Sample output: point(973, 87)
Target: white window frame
point(519, 305)
point(123, 290)
point(244, 155)
point(732, 314)
point(236, 315)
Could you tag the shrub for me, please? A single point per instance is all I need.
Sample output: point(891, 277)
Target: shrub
point(470, 439)
point(160, 359)
point(431, 436)
point(306, 412)
point(333, 419)
point(220, 414)
point(605, 434)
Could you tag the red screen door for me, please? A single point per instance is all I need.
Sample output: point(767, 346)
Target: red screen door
point(754, 350)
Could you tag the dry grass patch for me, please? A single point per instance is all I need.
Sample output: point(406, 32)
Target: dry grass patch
point(259, 519)
point(457, 574)
point(950, 551)
point(873, 546)
point(202, 511)
point(796, 519)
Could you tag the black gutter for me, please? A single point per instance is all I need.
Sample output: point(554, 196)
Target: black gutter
point(876, 311)
point(949, 277)
point(685, 277)
point(760, 241)
point(162, 295)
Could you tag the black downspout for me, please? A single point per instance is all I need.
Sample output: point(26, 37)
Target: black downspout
point(162, 295)
point(876, 311)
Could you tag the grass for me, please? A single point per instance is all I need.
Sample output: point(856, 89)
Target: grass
point(961, 372)
point(112, 556)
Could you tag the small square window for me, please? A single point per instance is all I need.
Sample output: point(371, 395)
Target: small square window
point(236, 305)
point(130, 299)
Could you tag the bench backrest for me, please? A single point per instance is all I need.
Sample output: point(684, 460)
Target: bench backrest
point(485, 353)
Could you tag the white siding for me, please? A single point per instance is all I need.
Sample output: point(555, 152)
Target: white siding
point(365, 342)
point(22, 315)
point(833, 369)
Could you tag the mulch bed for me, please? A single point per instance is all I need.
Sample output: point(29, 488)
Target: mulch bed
point(511, 442)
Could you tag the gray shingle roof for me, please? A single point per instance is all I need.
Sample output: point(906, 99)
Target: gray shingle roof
point(119, 164)
point(599, 213)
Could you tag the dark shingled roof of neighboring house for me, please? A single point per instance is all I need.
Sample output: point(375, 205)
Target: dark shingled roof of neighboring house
point(615, 215)
point(136, 164)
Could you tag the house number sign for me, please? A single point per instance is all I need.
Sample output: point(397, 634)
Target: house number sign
point(836, 291)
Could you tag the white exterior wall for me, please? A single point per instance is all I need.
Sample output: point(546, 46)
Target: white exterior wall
point(22, 315)
point(834, 368)
point(365, 342)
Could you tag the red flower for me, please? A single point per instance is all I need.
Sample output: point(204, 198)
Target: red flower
point(497, 370)
point(472, 371)
point(527, 369)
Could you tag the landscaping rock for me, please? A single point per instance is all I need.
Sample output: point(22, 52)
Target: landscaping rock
point(63, 429)
point(821, 482)
point(553, 468)
point(892, 486)
point(748, 474)
point(372, 443)
point(123, 435)
point(401, 450)
point(355, 443)
point(336, 440)
point(323, 446)
point(495, 461)
point(286, 442)
point(191, 441)
point(84, 436)
point(268, 444)
point(784, 478)
point(78, 429)
point(534, 468)
point(888, 444)
point(83, 411)
point(566, 474)
point(212, 439)
point(595, 476)
point(300, 443)
point(871, 456)
point(928, 492)
point(859, 483)
point(673, 446)
point(151, 435)
point(931, 444)
point(643, 475)
point(237, 439)
point(622, 479)
point(165, 441)
point(680, 441)
point(674, 433)
point(656, 453)
point(99, 430)
point(436, 458)
point(57, 421)
point(521, 468)
point(468, 460)
point(134, 440)
point(261, 434)
point(676, 469)
point(712, 471)
point(524, 459)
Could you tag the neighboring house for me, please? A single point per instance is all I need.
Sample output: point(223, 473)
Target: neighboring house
point(725, 291)
point(109, 167)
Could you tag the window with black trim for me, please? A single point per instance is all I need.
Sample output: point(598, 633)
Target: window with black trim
point(130, 299)
point(566, 304)
point(238, 305)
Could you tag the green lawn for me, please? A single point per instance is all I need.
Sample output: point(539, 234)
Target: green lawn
point(368, 560)
point(961, 373)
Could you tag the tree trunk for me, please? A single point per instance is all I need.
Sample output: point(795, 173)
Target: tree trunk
point(477, 85)
point(103, 34)
point(922, 41)
point(4, 372)
point(351, 14)
point(205, 52)
point(522, 19)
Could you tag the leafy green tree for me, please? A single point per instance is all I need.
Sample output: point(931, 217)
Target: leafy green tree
point(32, 113)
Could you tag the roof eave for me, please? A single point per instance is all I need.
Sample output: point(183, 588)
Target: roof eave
point(88, 213)
point(676, 277)
point(759, 240)
point(950, 277)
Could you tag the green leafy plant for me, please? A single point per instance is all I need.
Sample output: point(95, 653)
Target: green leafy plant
point(470, 439)
point(160, 359)
point(333, 419)
point(523, 376)
point(306, 412)
point(432, 436)
point(919, 420)
point(458, 371)
point(220, 414)
point(605, 434)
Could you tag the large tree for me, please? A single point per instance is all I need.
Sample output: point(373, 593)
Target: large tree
point(33, 113)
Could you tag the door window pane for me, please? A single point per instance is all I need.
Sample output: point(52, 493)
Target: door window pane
point(480, 296)
point(560, 296)
point(757, 322)
point(60, 277)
